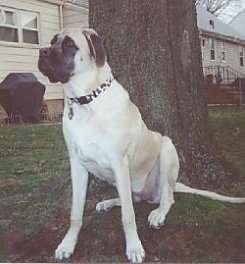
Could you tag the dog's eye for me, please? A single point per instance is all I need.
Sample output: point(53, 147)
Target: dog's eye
point(68, 43)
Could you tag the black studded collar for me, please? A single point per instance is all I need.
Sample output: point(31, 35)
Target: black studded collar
point(86, 99)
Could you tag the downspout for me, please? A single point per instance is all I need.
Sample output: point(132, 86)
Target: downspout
point(61, 25)
point(61, 15)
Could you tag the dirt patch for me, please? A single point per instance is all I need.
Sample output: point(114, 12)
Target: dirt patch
point(196, 230)
point(102, 239)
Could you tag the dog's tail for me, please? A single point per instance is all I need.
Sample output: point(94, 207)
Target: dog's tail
point(180, 187)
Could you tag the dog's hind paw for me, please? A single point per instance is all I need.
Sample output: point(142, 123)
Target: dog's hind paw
point(106, 205)
point(102, 206)
point(156, 218)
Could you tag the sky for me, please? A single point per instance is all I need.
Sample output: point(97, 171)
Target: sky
point(229, 13)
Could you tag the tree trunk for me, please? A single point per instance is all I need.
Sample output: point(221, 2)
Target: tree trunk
point(154, 50)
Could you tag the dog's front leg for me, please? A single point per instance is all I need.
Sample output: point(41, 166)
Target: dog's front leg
point(79, 177)
point(134, 248)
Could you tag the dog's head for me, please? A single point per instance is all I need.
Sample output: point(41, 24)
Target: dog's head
point(71, 52)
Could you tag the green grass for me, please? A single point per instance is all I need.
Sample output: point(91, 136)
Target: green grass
point(228, 126)
point(33, 159)
point(30, 156)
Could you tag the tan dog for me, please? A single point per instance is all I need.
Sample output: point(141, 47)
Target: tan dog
point(105, 135)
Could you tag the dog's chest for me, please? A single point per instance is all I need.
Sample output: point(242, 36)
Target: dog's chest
point(90, 146)
point(95, 160)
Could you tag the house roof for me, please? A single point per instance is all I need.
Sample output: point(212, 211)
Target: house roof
point(238, 22)
point(210, 23)
point(56, 2)
point(81, 3)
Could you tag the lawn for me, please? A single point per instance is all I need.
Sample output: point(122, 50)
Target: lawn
point(34, 211)
point(32, 156)
point(228, 125)
point(32, 159)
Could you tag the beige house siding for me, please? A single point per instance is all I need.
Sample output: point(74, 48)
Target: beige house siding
point(17, 57)
point(232, 53)
point(75, 17)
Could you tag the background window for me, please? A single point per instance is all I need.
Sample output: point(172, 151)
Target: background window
point(223, 52)
point(241, 53)
point(211, 23)
point(19, 26)
point(212, 49)
point(8, 26)
point(29, 25)
point(203, 42)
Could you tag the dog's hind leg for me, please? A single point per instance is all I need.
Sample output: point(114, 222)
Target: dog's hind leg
point(169, 168)
point(106, 205)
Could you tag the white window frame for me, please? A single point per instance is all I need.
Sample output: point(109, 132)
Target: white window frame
point(223, 51)
point(241, 56)
point(212, 48)
point(211, 23)
point(202, 41)
point(20, 29)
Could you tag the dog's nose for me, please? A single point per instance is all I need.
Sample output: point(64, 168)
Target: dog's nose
point(44, 52)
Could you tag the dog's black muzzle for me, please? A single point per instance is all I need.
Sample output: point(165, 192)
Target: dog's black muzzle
point(51, 64)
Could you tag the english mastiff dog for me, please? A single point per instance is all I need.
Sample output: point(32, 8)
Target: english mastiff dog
point(105, 135)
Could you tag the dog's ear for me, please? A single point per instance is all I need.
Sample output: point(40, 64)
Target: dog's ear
point(96, 47)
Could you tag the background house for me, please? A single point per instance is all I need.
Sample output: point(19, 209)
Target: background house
point(25, 26)
point(222, 46)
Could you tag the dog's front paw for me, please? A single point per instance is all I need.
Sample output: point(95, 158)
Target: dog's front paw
point(156, 218)
point(135, 252)
point(65, 249)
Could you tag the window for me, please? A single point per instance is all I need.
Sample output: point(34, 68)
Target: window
point(212, 49)
point(19, 26)
point(223, 52)
point(211, 23)
point(8, 26)
point(203, 42)
point(241, 54)
point(29, 26)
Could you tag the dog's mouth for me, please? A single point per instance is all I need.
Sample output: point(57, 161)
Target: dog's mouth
point(53, 74)
point(56, 78)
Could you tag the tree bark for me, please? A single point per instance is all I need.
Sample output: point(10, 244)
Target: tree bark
point(154, 50)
